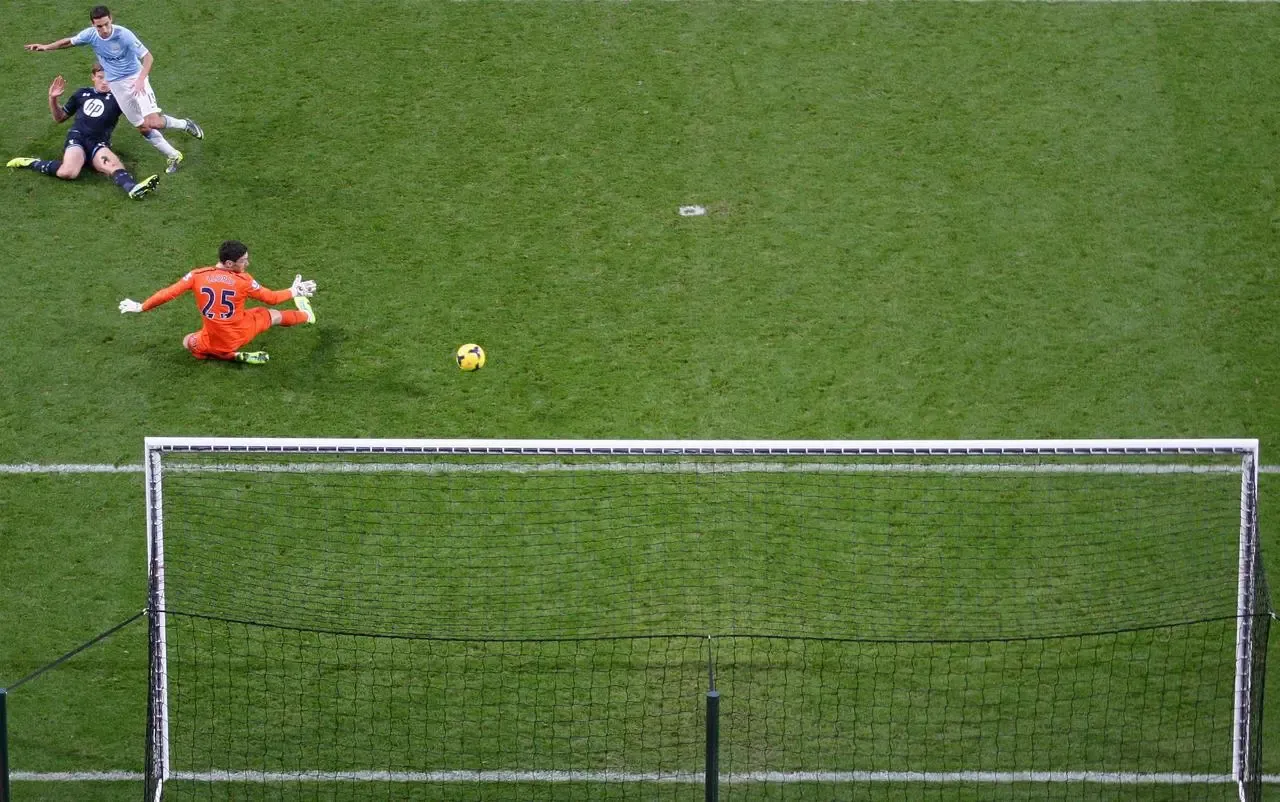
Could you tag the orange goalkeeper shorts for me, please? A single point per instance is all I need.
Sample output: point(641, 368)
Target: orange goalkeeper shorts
point(222, 341)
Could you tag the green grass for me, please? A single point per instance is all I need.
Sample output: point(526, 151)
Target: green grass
point(925, 220)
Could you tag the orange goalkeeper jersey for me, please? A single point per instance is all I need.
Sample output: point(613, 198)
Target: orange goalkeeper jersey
point(220, 296)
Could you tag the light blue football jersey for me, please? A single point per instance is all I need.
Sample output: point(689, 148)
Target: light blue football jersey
point(120, 54)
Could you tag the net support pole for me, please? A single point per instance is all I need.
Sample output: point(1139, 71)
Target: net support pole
point(712, 780)
point(4, 745)
point(713, 746)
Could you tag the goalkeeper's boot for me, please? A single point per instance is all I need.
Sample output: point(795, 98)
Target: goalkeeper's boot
point(304, 305)
point(144, 187)
point(194, 129)
point(252, 357)
point(21, 161)
point(175, 161)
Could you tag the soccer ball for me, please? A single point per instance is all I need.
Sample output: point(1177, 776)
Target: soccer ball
point(470, 357)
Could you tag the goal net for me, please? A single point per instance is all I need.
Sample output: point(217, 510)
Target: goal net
point(488, 619)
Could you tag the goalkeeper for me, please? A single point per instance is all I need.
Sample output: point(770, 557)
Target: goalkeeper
point(220, 293)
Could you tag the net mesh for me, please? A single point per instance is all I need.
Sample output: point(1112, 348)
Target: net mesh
point(392, 626)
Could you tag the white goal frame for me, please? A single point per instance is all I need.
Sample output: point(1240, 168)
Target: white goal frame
point(1243, 735)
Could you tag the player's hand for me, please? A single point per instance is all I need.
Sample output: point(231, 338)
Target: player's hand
point(129, 306)
point(34, 48)
point(304, 288)
point(138, 85)
point(58, 86)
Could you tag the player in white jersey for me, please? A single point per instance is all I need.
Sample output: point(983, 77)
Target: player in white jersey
point(128, 64)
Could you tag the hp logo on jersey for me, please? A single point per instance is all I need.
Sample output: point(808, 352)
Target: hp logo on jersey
point(94, 108)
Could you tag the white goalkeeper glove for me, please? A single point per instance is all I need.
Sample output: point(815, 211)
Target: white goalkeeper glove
point(129, 306)
point(304, 288)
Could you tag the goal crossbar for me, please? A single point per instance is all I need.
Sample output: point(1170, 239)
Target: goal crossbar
point(706, 447)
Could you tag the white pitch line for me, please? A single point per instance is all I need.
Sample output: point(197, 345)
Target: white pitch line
point(690, 778)
point(38, 469)
point(68, 468)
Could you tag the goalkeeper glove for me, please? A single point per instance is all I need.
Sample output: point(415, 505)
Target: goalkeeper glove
point(129, 306)
point(306, 289)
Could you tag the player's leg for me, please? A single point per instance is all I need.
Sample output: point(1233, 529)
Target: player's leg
point(70, 166)
point(67, 167)
point(290, 317)
point(108, 163)
point(142, 113)
point(259, 319)
point(164, 121)
point(172, 156)
point(105, 160)
point(155, 121)
point(191, 342)
point(255, 321)
point(198, 344)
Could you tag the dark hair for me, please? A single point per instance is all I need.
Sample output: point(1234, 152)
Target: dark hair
point(98, 12)
point(231, 251)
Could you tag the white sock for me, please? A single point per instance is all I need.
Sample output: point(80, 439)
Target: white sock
point(161, 144)
point(174, 122)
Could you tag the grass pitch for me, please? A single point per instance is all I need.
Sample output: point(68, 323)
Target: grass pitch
point(924, 220)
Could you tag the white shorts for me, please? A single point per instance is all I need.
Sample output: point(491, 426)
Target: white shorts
point(135, 107)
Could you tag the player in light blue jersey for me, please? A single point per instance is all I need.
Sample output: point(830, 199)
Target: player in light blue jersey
point(128, 63)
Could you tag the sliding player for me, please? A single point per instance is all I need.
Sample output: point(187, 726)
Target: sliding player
point(96, 112)
point(220, 293)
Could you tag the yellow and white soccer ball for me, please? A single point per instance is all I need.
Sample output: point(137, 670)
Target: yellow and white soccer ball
point(470, 357)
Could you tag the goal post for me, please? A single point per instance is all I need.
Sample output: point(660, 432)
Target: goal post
point(156, 757)
point(1250, 644)
point(909, 614)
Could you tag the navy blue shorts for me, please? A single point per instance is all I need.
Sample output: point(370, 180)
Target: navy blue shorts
point(90, 145)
